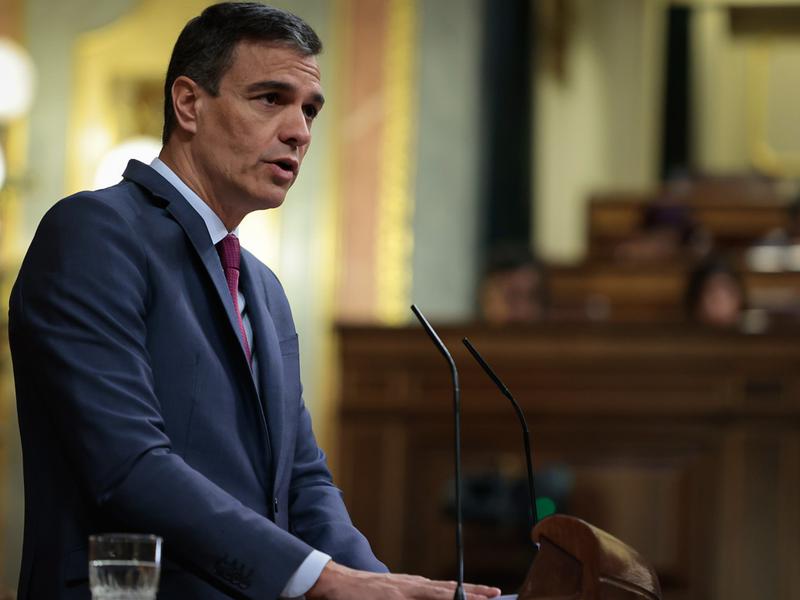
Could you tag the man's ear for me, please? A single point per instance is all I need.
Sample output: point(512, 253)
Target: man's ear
point(186, 98)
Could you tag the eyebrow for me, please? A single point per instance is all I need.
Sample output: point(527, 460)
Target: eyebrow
point(280, 86)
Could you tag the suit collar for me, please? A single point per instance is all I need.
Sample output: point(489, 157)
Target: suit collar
point(150, 179)
point(216, 228)
point(195, 228)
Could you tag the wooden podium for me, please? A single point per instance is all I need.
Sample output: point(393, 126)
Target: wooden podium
point(577, 561)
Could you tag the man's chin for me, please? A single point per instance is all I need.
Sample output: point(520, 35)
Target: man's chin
point(275, 202)
point(272, 200)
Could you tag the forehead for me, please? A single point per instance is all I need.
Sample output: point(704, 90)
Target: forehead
point(254, 61)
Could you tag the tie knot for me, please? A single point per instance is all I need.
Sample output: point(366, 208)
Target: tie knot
point(228, 250)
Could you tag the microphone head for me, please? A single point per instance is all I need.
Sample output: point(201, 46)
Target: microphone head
point(437, 341)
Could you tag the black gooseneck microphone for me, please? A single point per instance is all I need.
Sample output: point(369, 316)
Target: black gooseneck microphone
point(459, 595)
point(526, 436)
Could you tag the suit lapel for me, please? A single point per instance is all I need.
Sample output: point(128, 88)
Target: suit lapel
point(267, 345)
point(195, 229)
point(268, 352)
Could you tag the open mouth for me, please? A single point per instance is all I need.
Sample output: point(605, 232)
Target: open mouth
point(288, 166)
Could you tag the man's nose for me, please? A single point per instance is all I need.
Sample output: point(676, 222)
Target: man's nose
point(295, 130)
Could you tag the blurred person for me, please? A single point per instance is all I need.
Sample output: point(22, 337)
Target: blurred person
point(715, 294)
point(156, 363)
point(779, 249)
point(790, 234)
point(513, 290)
point(667, 228)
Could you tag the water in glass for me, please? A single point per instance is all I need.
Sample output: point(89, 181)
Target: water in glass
point(124, 566)
point(123, 579)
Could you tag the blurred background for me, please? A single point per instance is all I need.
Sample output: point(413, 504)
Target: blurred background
point(603, 193)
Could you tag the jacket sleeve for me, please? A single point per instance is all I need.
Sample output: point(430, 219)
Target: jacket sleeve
point(317, 510)
point(317, 513)
point(79, 325)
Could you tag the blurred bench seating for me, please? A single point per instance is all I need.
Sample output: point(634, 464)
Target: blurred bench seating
point(736, 211)
point(619, 292)
point(735, 221)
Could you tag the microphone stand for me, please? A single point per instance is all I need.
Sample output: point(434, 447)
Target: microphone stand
point(571, 557)
point(526, 436)
point(606, 567)
point(459, 593)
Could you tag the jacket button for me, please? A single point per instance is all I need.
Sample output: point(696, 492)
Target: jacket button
point(275, 504)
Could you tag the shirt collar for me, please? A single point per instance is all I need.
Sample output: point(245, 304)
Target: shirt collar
point(216, 228)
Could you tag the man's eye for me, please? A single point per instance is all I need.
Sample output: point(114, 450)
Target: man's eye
point(310, 111)
point(271, 98)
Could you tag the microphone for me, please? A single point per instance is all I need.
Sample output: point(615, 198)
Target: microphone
point(569, 554)
point(526, 437)
point(459, 594)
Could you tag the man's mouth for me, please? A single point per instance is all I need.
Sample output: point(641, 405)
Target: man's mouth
point(286, 164)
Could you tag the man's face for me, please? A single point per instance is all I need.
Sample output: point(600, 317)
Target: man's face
point(251, 138)
point(721, 302)
point(513, 297)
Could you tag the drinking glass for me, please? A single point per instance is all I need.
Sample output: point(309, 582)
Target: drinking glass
point(124, 566)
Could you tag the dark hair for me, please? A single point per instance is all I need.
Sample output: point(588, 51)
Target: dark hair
point(205, 47)
point(507, 257)
point(669, 216)
point(700, 276)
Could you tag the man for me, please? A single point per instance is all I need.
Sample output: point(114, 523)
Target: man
point(156, 365)
point(513, 290)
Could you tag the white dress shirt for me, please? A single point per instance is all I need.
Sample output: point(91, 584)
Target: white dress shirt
point(309, 570)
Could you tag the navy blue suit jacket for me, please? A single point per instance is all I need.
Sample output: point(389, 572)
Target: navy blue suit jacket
point(138, 410)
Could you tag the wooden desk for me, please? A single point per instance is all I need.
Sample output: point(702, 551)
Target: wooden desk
point(684, 444)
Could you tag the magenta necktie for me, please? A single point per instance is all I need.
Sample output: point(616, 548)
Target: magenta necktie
point(228, 250)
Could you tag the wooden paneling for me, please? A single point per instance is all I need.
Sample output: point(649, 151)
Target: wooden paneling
point(685, 444)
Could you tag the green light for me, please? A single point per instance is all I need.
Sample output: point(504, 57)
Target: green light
point(545, 507)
